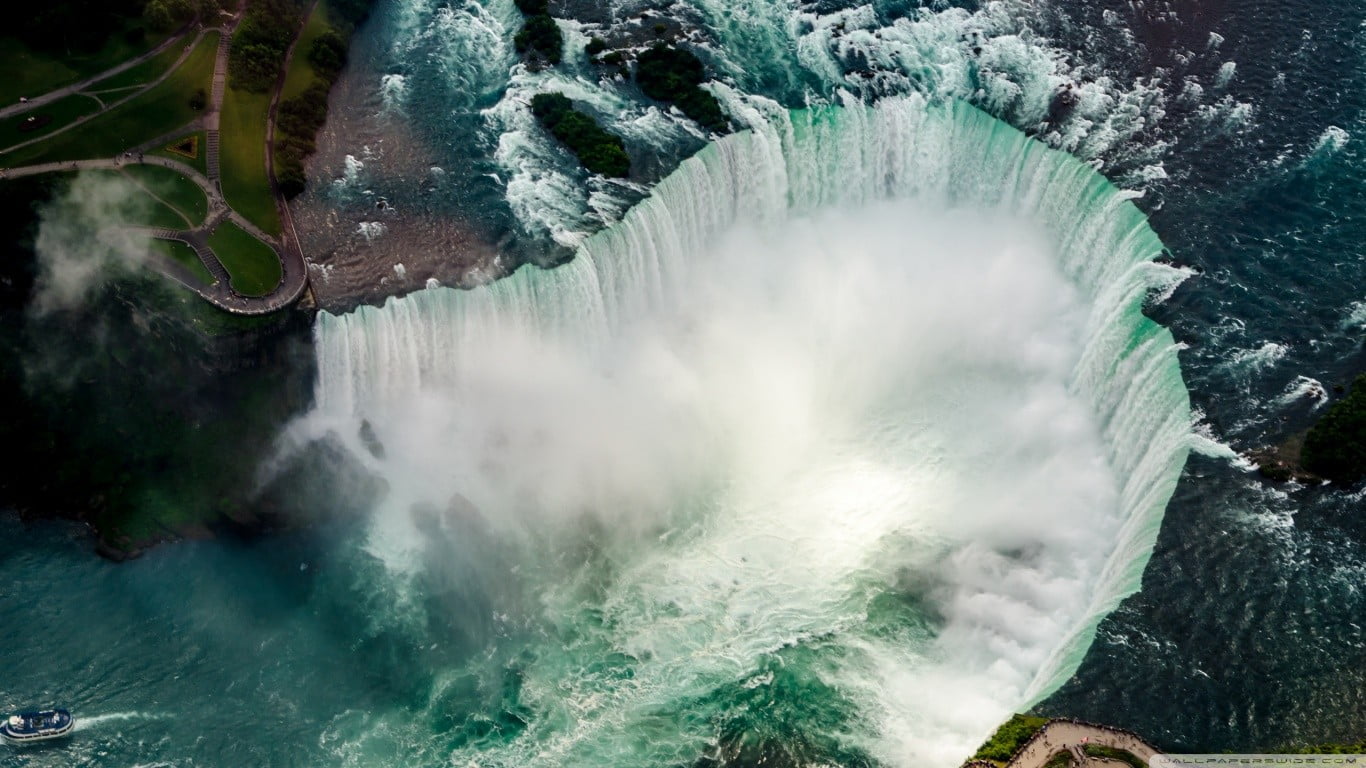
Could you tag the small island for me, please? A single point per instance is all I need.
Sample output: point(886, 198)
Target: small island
point(1333, 449)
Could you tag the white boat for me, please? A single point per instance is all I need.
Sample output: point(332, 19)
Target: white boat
point(37, 726)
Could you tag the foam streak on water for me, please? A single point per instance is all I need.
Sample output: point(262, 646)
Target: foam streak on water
point(859, 412)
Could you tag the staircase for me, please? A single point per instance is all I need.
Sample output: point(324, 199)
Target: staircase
point(220, 85)
point(211, 154)
point(211, 263)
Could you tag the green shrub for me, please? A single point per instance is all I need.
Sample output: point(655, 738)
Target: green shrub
point(598, 150)
point(1335, 447)
point(595, 46)
point(1060, 760)
point(533, 7)
point(297, 123)
point(541, 36)
point(327, 54)
point(1010, 737)
point(673, 75)
point(166, 15)
point(1117, 755)
point(289, 173)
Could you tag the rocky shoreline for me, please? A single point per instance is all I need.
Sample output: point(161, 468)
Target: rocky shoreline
point(1282, 463)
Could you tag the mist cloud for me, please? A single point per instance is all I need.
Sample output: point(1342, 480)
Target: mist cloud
point(83, 242)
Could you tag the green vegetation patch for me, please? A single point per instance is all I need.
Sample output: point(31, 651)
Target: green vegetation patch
point(1119, 755)
point(143, 209)
point(319, 35)
point(1009, 738)
point(184, 255)
point(260, 43)
point(1335, 447)
point(1060, 760)
point(153, 113)
point(598, 150)
point(46, 119)
point(242, 158)
point(674, 75)
point(253, 266)
point(174, 188)
point(297, 125)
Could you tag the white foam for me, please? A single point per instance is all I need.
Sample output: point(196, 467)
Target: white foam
point(1302, 388)
point(85, 723)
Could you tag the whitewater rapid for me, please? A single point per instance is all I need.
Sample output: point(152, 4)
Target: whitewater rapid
point(857, 414)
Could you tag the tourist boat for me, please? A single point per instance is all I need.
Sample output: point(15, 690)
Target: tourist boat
point(37, 726)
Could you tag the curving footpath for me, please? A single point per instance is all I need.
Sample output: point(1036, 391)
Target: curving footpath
point(1070, 736)
point(113, 104)
point(220, 293)
point(61, 93)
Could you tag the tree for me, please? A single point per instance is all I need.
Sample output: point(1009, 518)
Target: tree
point(327, 54)
point(541, 35)
point(1335, 447)
point(673, 75)
point(598, 150)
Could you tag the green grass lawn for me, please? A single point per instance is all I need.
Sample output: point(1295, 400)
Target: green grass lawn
point(301, 74)
point(24, 72)
point(182, 193)
point(62, 113)
point(200, 161)
point(153, 113)
point(142, 209)
point(253, 266)
point(143, 73)
point(1117, 755)
point(242, 158)
point(185, 256)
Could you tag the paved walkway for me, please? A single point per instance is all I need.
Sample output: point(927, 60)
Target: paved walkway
point(223, 32)
point(61, 93)
point(1069, 736)
point(220, 293)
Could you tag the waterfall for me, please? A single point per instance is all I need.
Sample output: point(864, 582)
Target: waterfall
point(1123, 371)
